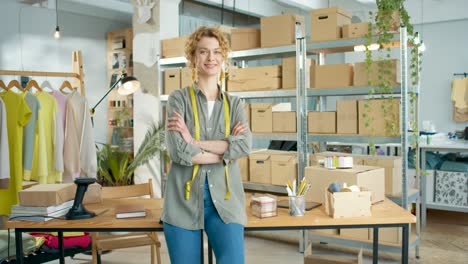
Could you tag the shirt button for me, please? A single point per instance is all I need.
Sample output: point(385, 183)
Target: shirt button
point(209, 171)
point(214, 201)
point(211, 185)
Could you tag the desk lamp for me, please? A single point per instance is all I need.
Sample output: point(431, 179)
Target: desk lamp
point(129, 85)
point(78, 211)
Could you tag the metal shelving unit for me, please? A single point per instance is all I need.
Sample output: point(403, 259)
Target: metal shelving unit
point(301, 93)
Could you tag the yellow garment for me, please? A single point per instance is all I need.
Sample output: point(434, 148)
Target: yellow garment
point(459, 91)
point(43, 169)
point(18, 114)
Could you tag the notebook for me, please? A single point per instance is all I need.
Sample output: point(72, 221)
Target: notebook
point(130, 210)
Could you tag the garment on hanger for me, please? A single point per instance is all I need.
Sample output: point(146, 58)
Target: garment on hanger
point(18, 114)
point(52, 136)
point(29, 132)
point(4, 149)
point(62, 105)
point(79, 150)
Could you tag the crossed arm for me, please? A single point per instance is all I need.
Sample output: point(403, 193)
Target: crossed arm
point(212, 150)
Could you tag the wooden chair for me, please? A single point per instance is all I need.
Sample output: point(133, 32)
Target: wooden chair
point(134, 239)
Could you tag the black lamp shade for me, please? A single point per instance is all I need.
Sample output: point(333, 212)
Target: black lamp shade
point(129, 85)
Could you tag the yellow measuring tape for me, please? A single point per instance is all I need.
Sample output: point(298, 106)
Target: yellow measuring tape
point(227, 123)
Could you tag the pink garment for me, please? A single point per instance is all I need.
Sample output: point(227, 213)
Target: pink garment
point(62, 105)
point(74, 241)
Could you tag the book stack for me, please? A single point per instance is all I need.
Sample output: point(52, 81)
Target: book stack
point(39, 213)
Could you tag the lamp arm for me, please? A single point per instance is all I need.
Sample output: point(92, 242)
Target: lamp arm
point(108, 91)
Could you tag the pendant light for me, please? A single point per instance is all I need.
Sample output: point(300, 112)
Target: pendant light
point(57, 29)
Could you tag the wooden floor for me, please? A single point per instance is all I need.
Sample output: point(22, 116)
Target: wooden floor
point(444, 241)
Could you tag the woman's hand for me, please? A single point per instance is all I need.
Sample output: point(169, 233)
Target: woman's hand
point(177, 123)
point(238, 129)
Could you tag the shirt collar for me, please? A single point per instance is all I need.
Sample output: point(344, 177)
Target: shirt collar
point(198, 92)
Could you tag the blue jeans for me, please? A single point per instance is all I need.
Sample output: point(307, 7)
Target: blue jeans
point(227, 240)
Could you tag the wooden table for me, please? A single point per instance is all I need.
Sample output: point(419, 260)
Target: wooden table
point(384, 214)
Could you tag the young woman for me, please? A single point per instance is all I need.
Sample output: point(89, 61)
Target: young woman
point(207, 131)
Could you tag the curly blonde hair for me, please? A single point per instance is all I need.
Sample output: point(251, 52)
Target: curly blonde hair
point(192, 43)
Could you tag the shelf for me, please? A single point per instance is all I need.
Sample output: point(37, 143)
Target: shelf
point(282, 93)
point(413, 195)
point(252, 54)
point(276, 136)
point(368, 244)
point(446, 207)
point(124, 127)
point(346, 45)
point(264, 187)
point(354, 138)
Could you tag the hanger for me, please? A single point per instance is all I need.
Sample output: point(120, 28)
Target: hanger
point(3, 86)
point(15, 83)
point(46, 84)
point(31, 84)
point(66, 84)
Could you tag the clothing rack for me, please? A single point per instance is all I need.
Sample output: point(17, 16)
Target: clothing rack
point(77, 72)
point(465, 74)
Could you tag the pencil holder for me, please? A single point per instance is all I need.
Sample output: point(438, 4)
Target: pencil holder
point(297, 205)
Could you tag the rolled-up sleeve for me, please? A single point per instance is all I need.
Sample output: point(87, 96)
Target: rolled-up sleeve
point(240, 145)
point(179, 151)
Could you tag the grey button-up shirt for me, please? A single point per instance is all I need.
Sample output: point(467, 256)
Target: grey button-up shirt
point(189, 214)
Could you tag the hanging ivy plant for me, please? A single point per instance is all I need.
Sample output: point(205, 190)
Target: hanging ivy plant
point(390, 15)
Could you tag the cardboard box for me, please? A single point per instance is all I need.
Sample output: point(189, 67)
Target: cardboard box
point(309, 258)
point(357, 233)
point(173, 47)
point(262, 118)
point(371, 112)
point(347, 117)
point(331, 75)
point(355, 30)
point(171, 80)
point(371, 178)
point(47, 194)
point(321, 122)
point(284, 122)
point(280, 30)
point(361, 77)
point(260, 167)
point(245, 38)
point(289, 72)
point(266, 84)
point(392, 166)
point(185, 77)
point(347, 204)
point(93, 194)
point(325, 23)
point(283, 168)
point(254, 78)
point(244, 168)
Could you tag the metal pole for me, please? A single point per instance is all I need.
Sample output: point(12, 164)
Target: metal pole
point(301, 115)
point(404, 114)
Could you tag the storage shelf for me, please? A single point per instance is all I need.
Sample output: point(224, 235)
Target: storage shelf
point(413, 195)
point(264, 187)
point(281, 93)
point(368, 244)
point(276, 136)
point(346, 45)
point(354, 138)
point(446, 207)
point(264, 53)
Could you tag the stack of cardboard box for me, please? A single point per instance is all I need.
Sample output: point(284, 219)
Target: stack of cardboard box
point(273, 167)
point(254, 78)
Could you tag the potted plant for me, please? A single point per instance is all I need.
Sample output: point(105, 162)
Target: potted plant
point(116, 166)
point(389, 16)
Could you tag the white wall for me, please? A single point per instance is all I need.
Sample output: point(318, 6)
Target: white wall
point(26, 43)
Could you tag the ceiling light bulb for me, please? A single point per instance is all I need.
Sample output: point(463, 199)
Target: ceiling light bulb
point(359, 48)
point(57, 33)
point(374, 46)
